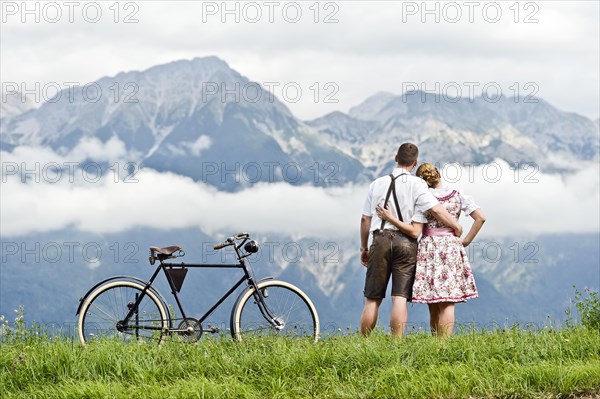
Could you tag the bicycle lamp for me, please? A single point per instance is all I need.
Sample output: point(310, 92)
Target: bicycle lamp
point(251, 247)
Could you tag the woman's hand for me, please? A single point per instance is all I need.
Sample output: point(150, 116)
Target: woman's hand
point(411, 230)
point(384, 213)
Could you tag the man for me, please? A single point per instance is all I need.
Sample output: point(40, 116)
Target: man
point(393, 253)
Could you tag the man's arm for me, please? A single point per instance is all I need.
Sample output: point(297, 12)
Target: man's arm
point(365, 225)
point(413, 229)
point(442, 215)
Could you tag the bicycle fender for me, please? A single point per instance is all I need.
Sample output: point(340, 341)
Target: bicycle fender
point(237, 300)
point(127, 278)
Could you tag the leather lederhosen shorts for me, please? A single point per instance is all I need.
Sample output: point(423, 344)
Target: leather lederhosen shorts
point(394, 254)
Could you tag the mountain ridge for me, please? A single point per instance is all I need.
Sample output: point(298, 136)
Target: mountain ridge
point(166, 106)
point(182, 115)
point(467, 130)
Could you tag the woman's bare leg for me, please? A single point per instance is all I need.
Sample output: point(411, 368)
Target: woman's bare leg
point(434, 318)
point(446, 319)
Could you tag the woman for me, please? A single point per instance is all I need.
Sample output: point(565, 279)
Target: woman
point(443, 273)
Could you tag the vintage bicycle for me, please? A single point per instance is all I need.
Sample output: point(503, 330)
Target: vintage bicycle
point(130, 309)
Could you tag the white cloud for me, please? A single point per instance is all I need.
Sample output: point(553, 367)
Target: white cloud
point(202, 143)
point(88, 148)
point(523, 202)
point(94, 149)
point(529, 201)
point(107, 206)
point(192, 147)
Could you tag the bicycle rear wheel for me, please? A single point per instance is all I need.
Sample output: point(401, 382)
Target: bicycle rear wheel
point(291, 307)
point(106, 307)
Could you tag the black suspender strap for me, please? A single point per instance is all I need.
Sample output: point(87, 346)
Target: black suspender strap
point(396, 201)
point(391, 189)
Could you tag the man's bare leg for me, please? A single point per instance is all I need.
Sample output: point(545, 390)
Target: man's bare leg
point(399, 316)
point(368, 319)
point(434, 318)
point(446, 319)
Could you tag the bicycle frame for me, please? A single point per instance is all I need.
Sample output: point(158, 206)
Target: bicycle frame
point(166, 267)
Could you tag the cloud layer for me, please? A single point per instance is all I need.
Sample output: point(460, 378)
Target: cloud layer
point(515, 201)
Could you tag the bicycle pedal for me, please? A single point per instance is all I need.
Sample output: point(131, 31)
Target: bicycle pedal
point(213, 329)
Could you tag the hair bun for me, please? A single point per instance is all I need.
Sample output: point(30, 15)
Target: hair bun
point(429, 173)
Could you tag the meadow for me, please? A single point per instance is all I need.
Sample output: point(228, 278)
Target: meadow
point(504, 363)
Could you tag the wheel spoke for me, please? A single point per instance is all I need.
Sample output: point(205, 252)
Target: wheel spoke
point(108, 317)
point(287, 304)
point(110, 304)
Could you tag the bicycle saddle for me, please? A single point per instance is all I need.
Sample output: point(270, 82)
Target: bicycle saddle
point(166, 250)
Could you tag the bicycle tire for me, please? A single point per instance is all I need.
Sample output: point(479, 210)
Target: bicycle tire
point(107, 305)
point(287, 302)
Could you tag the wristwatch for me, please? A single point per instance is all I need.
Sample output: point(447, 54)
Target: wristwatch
point(364, 249)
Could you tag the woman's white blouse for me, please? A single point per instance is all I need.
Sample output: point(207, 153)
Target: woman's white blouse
point(466, 201)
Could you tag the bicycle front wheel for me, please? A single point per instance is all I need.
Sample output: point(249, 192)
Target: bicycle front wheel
point(103, 312)
point(293, 310)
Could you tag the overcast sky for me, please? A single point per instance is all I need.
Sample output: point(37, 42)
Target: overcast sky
point(367, 46)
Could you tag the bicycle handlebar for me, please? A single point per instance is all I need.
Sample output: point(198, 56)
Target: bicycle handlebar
point(220, 246)
point(230, 240)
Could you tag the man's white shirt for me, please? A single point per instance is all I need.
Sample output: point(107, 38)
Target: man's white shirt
point(414, 199)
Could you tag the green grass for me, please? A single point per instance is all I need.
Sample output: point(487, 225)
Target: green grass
point(500, 364)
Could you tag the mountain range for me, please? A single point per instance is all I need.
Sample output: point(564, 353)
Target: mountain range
point(175, 118)
point(463, 130)
point(187, 115)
